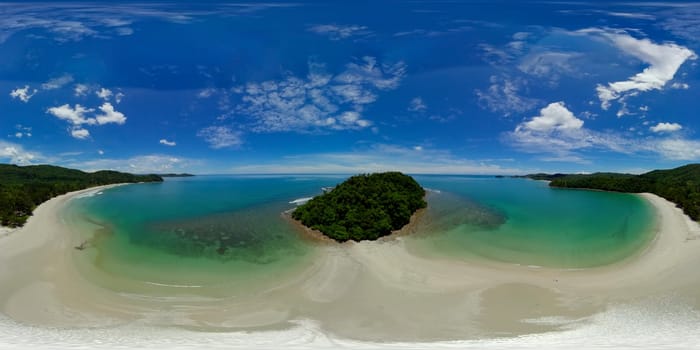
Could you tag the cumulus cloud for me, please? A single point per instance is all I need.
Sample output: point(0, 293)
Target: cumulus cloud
point(417, 105)
point(558, 133)
point(554, 117)
point(110, 115)
point(338, 32)
point(23, 94)
point(74, 115)
point(167, 143)
point(77, 117)
point(666, 127)
point(664, 60)
point(104, 94)
point(15, 154)
point(57, 83)
point(320, 101)
point(80, 133)
point(220, 137)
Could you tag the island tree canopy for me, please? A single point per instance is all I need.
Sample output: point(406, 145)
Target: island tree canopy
point(364, 207)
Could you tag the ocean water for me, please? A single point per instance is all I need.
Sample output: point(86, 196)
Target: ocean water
point(228, 231)
point(526, 222)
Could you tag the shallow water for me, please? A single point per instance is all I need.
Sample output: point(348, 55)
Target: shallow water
point(227, 231)
point(526, 222)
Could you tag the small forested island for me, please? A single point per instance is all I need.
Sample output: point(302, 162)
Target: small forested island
point(23, 188)
point(364, 207)
point(175, 175)
point(680, 185)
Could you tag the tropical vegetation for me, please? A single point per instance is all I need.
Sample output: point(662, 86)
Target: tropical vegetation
point(364, 207)
point(680, 185)
point(23, 188)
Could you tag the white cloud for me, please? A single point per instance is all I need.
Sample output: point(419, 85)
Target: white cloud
point(104, 94)
point(15, 154)
point(100, 152)
point(320, 101)
point(74, 115)
point(206, 93)
point(110, 115)
point(556, 131)
point(679, 149)
point(664, 60)
point(118, 97)
point(167, 143)
point(549, 65)
point(417, 105)
point(80, 133)
point(554, 117)
point(143, 164)
point(80, 90)
point(23, 94)
point(559, 135)
point(338, 32)
point(504, 96)
point(680, 86)
point(666, 127)
point(57, 83)
point(643, 16)
point(220, 137)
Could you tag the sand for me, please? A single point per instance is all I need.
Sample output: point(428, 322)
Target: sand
point(358, 294)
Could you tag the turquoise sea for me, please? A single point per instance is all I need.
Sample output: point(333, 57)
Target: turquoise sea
point(229, 230)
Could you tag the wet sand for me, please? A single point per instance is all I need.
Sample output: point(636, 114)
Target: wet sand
point(354, 292)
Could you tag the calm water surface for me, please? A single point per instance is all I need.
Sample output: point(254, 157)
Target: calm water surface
point(228, 231)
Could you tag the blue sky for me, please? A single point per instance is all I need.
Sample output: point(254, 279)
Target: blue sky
point(471, 87)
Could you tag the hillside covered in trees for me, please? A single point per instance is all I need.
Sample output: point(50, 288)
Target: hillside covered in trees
point(680, 185)
point(364, 207)
point(23, 188)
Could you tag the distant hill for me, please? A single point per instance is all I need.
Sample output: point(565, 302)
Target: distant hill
point(175, 175)
point(680, 185)
point(23, 188)
point(363, 207)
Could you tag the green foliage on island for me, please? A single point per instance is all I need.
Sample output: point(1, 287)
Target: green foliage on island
point(680, 185)
point(542, 176)
point(23, 188)
point(364, 207)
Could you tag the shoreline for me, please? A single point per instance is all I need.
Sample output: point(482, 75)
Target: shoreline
point(7, 231)
point(408, 297)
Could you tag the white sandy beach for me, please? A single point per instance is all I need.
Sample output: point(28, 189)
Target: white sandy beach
point(359, 294)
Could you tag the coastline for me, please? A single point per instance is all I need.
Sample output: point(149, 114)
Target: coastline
point(409, 298)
